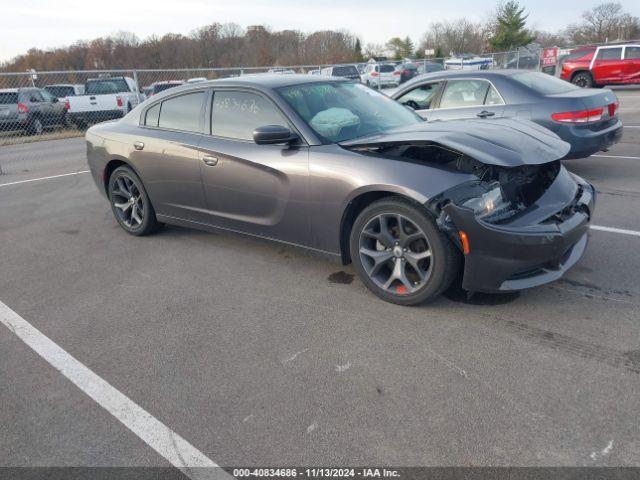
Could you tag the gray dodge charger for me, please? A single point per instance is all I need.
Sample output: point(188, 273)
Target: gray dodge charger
point(333, 166)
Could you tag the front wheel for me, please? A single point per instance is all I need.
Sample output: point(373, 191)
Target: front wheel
point(130, 203)
point(583, 80)
point(400, 254)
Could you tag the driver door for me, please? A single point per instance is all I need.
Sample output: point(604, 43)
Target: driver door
point(422, 98)
point(257, 189)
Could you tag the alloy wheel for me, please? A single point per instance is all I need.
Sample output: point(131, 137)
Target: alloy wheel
point(127, 200)
point(395, 253)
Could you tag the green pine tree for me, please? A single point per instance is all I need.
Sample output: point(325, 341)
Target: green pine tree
point(357, 49)
point(510, 31)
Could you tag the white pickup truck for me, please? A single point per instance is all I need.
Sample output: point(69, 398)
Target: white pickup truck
point(104, 99)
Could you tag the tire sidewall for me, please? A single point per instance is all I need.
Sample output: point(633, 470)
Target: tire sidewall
point(149, 214)
point(588, 79)
point(436, 283)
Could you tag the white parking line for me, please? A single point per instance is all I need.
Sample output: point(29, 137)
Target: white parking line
point(43, 178)
point(615, 230)
point(180, 453)
point(616, 156)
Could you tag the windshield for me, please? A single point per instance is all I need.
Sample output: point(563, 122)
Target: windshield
point(339, 111)
point(106, 86)
point(387, 68)
point(543, 83)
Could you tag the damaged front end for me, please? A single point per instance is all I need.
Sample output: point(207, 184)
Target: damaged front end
point(519, 224)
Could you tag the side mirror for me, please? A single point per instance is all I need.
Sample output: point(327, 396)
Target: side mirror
point(55, 100)
point(273, 135)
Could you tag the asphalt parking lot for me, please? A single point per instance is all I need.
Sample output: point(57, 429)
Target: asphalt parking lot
point(262, 354)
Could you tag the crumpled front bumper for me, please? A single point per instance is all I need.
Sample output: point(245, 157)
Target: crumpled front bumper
point(515, 257)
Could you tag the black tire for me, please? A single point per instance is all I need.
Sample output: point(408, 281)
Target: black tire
point(36, 127)
point(444, 259)
point(583, 80)
point(139, 202)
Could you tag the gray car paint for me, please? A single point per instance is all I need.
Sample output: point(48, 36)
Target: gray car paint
point(523, 103)
point(292, 193)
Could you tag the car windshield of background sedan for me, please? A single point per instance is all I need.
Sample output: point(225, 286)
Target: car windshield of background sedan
point(344, 111)
point(543, 83)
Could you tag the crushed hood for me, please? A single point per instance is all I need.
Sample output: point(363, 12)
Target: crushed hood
point(502, 142)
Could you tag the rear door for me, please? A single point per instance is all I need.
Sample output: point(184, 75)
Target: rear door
point(608, 65)
point(631, 72)
point(257, 189)
point(165, 151)
point(468, 98)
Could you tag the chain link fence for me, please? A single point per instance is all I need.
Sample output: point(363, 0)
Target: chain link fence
point(56, 104)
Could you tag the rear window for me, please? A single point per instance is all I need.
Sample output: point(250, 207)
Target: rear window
point(106, 86)
point(60, 91)
point(181, 113)
point(543, 83)
point(345, 71)
point(632, 53)
point(8, 98)
point(387, 68)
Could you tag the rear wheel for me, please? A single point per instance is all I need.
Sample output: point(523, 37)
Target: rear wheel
point(583, 80)
point(130, 203)
point(35, 127)
point(400, 254)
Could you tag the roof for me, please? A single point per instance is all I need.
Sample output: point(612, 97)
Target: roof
point(270, 80)
point(8, 90)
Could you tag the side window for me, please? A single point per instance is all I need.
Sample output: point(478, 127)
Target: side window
point(632, 53)
point(35, 97)
point(47, 96)
point(420, 98)
point(182, 113)
point(493, 97)
point(237, 114)
point(464, 93)
point(610, 54)
point(152, 116)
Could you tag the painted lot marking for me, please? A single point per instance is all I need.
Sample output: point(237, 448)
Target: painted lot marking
point(616, 156)
point(180, 453)
point(615, 230)
point(43, 178)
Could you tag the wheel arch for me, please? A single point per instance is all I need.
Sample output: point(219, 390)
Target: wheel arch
point(109, 168)
point(358, 203)
point(581, 70)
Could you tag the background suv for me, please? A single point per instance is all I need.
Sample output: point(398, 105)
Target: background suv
point(30, 109)
point(380, 75)
point(607, 65)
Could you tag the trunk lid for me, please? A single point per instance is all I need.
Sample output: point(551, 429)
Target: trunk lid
point(499, 142)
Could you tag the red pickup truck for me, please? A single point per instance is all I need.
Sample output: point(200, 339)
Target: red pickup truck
point(606, 65)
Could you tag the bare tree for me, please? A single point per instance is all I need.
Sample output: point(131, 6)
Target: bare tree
point(605, 22)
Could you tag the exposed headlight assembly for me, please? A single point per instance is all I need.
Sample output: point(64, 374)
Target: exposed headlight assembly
point(489, 204)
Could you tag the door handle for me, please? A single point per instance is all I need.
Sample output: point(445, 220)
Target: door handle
point(485, 114)
point(210, 160)
point(138, 145)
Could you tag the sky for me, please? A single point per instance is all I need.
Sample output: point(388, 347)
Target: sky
point(47, 24)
